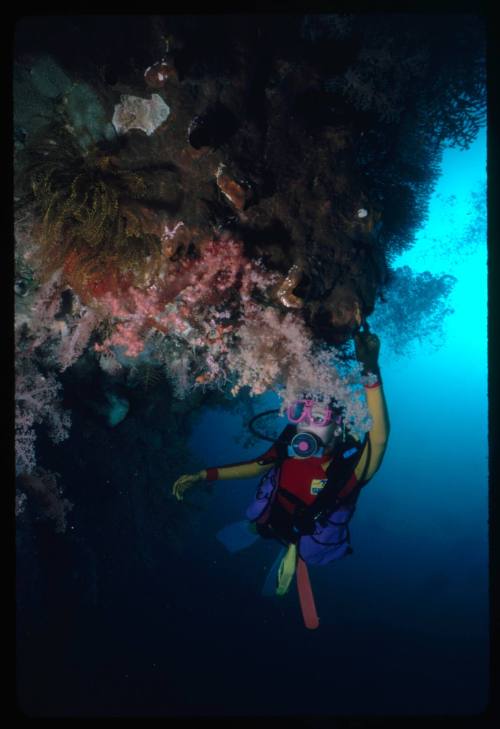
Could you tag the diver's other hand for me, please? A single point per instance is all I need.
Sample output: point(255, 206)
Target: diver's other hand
point(185, 482)
point(367, 351)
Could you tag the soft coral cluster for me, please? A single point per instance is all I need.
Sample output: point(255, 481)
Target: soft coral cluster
point(208, 317)
point(198, 300)
point(210, 321)
point(276, 351)
point(37, 400)
point(46, 323)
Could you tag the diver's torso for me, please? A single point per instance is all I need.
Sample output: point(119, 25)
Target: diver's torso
point(303, 478)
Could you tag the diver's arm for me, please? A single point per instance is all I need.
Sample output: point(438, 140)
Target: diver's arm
point(247, 469)
point(378, 435)
point(238, 470)
point(367, 351)
point(244, 469)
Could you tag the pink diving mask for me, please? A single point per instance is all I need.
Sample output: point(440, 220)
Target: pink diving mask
point(301, 411)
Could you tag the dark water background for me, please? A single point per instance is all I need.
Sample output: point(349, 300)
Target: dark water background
point(109, 629)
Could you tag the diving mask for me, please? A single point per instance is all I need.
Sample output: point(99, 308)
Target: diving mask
point(311, 413)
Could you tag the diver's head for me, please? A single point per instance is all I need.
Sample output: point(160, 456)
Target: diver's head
point(322, 420)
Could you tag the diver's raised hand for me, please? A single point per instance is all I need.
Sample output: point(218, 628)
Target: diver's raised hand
point(367, 350)
point(185, 482)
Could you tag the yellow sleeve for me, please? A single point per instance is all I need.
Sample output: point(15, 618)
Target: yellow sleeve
point(248, 469)
point(378, 435)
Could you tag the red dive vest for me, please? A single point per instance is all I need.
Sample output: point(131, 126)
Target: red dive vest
point(302, 479)
point(297, 497)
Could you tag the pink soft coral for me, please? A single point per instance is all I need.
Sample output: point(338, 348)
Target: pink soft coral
point(190, 299)
point(276, 352)
point(37, 400)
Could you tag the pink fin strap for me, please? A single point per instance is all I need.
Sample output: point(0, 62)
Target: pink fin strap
point(306, 597)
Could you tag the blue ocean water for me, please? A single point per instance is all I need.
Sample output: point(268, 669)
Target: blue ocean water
point(404, 619)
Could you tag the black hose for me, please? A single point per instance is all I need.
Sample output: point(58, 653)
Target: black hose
point(256, 417)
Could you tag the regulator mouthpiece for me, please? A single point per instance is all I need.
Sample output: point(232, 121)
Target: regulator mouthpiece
point(305, 445)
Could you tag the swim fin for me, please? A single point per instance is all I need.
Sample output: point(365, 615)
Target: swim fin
point(306, 597)
point(237, 536)
point(286, 570)
point(269, 587)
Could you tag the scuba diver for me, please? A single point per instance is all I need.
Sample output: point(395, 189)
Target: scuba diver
point(311, 479)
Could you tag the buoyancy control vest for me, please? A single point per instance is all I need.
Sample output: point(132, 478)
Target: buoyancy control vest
point(289, 525)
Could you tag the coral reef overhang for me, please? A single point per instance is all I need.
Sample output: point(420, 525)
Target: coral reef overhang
point(275, 137)
point(197, 183)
